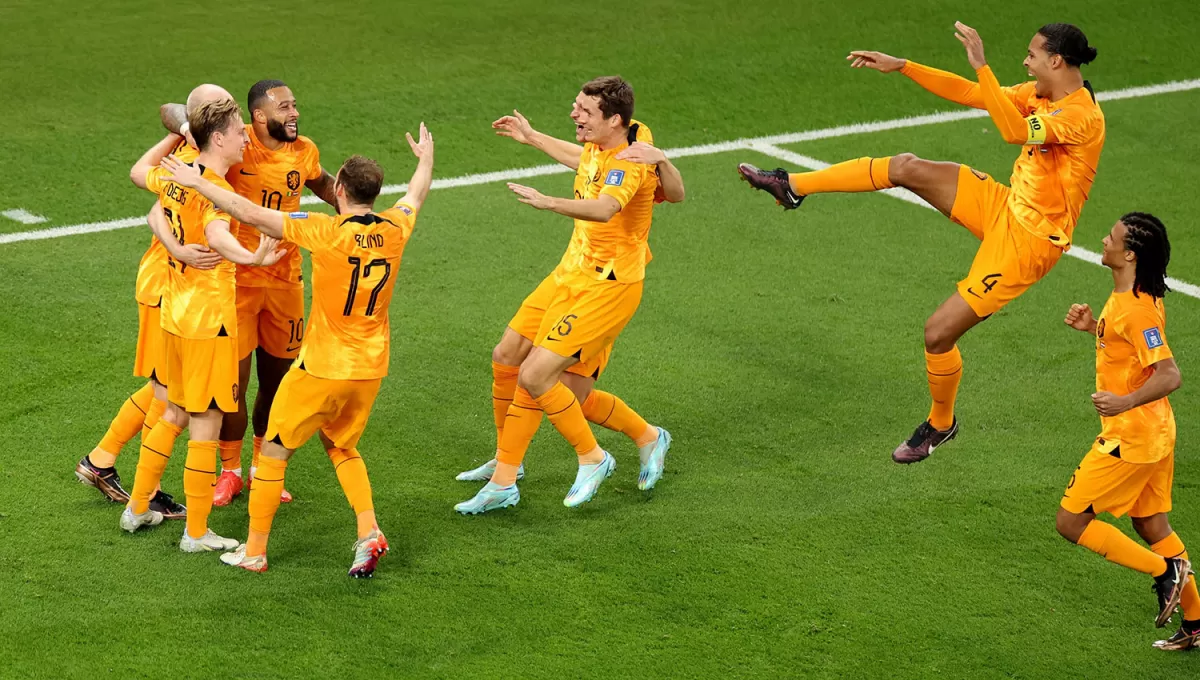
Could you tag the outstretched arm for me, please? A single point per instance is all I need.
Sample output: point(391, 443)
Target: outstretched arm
point(1008, 119)
point(600, 209)
point(269, 222)
point(670, 181)
point(224, 242)
point(422, 179)
point(518, 128)
point(151, 158)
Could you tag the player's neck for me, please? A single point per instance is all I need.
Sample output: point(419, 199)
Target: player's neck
point(614, 140)
point(264, 138)
point(211, 160)
point(1123, 278)
point(1069, 83)
point(349, 209)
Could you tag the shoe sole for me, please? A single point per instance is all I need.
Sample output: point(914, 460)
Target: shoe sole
point(1169, 610)
point(650, 485)
point(87, 478)
point(506, 503)
point(373, 562)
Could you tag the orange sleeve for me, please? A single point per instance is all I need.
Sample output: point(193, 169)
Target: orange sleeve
point(1013, 126)
point(313, 170)
point(1144, 330)
point(155, 177)
point(951, 86)
point(403, 216)
point(622, 179)
point(308, 230)
point(1069, 125)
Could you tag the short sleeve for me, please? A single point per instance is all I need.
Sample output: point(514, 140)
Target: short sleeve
point(1144, 329)
point(403, 215)
point(308, 230)
point(213, 214)
point(622, 179)
point(156, 177)
point(313, 164)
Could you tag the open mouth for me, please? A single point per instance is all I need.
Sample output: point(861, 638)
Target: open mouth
point(292, 127)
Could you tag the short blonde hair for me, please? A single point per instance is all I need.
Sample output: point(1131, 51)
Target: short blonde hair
point(210, 117)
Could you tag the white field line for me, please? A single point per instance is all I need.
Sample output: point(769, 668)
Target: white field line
point(23, 216)
point(701, 150)
point(906, 195)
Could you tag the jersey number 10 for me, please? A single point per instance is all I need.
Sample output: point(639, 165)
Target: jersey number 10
point(356, 278)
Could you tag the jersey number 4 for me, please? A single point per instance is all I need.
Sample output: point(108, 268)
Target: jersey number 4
point(356, 277)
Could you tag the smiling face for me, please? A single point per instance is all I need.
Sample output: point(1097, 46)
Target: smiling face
point(590, 123)
point(233, 140)
point(1041, 65)
point(278, 111)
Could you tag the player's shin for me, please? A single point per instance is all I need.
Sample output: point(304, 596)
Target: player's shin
point(1107, 541)
point(860, 174)
point(352, 475)
point(124, 427)
point(521, 424)
point(264, 502)
point(944, 372)
point(152, 462)
point(563, 410)
point(1172, 546)
point(610, 411)
point(504, 388)
point(199, 476)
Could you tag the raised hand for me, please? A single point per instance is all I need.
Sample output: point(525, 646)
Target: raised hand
point(514, 127)
point(1080, 318)
point(530, 196)
point(641, 152)
point(423, 145)
point(181, 173)
point(970, 39)
point(884, 63)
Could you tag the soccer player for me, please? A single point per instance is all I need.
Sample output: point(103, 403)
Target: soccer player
point(561, 338)
point(332, 385)
point(141, 411)
point(270, 300)
point(1131, 465)
point(599, 407)
point(1024, 229)
point(199, 323)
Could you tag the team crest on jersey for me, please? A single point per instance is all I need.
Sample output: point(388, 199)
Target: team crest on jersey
point(293, 180)
point(615, 178)
point(298, 215)
point(1153, 338)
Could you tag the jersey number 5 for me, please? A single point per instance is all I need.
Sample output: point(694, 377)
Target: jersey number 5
point(356, 278)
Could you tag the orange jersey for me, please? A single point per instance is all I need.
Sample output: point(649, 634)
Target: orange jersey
point(617, 249)
point(153, 269)
point(1130, 338)
point(196, 304)
point(355, 260)
point(1053, 175)
point(273, 179)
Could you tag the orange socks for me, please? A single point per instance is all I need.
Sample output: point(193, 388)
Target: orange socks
point(199, 478)
point(264, 502)
point(231, 456)
point(1114, 546)
point(152, 462)
point(504, 386)
point(124, 427)
point(255, 451)
point(608, 410)
point(522, 422)
point(352, 474)
point(153, 414)
point(563, 410)
point(1172, 546)
point(944, 372)
point(861, 174)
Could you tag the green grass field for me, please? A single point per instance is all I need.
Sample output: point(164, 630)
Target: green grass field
point(783, 351)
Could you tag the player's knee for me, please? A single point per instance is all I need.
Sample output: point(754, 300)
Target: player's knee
point(1152, 529)
point(903, 168)
point(1069, 525)
point(938, 339)
point(535, 377)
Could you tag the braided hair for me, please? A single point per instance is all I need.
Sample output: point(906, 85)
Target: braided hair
point(1146, 236)
point(1067, 41)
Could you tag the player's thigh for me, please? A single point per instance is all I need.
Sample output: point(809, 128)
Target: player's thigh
point(1009, 261)
point(512, 348)
point(587, 324)
point(270, 370)
point(356, 398)
point(580, 385)
point(249, 305)
point(281, 322)
point(980, 202)
point(303, 404)
point(1105, 483)
point(204, 372)
point(528, 319)
point(949, 322)
point(1155, 498)
point(934, 181)
point(205, 426)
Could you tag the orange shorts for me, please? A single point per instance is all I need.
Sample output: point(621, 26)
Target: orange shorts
point(201, 374)
point(306, 403)
point(1011, 258)
point(1105, 483)
point(584, 318)
point(148, 360)
point(528, 320)
point(271, 318)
